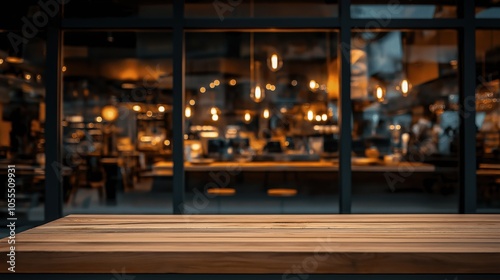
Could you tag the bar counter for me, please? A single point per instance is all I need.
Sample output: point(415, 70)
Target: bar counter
point(262, 244)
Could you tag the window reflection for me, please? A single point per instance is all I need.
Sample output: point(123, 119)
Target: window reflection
point(488, 119)
point(22, 123)
point(405, 121)
point(264, 104)
point(117, 120)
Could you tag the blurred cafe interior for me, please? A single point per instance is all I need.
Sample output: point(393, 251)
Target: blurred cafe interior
point(260, 110)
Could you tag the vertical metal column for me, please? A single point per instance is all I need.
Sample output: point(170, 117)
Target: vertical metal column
point(178, 108)
point(345, 179)
point(467, 145)
point(53, 129)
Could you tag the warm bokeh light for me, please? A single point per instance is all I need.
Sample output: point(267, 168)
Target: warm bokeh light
point(192, 102)
point(247, 117)
point(215, 117)
point(216, 82)
point(203, 89)
point(310, 115)
point(188, 112)
point(257, 94)
point(312, 84)
point(161, 108)
point(136, 108)
point(109, 113)
point(266, 114)
point(379, 94)
point(232, 82)
point(405, 87)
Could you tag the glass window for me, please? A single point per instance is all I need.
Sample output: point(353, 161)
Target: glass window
point(260, 9)
point(488, 119)
point(396, 10)
point(488, 9)
point(117, 121)
point(22, 122)
point(405, 121)
point(118, 9)
point(261, 122)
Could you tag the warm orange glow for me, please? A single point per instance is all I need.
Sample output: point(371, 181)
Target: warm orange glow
point(109, 113)
point(247, 117)
point(266, 114)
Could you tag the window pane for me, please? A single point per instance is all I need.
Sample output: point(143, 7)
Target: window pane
point(117, 121)
point(118, 9)
point(261, 122)
point(488, 9)
point(22, 122)
point(488, 119)
point(397, 10)
point(260, 9)
point(405, 121)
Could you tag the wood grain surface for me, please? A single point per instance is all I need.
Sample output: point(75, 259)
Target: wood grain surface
point(277, 244)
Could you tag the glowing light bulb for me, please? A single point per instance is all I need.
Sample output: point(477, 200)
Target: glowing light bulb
point(232, 82)
point(257, 95)
point(216, 82)
point(213, 111)
point(274, 62)
point(136, 108)
point(312, 84)
point(203, 89)
point(310, 115)
point(324, 117)
point(318, 118)
point(188, 112)
point(379, 94)
point(161, 108)
point(405, 87)
point(192, 102)
point(98, 119)
point(247, 117)
point(215, 117)
point(212, 85)
point(266, 114)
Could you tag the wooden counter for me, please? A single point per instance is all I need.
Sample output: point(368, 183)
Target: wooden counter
point(312, 166)
point(264, 244)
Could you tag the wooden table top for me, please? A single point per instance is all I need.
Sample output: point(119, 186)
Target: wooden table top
point(427, 244)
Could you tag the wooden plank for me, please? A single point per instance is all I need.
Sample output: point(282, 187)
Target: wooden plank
point(262, 244)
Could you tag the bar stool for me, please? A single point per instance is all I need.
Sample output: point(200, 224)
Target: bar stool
point(220, 192)
point(281, 193)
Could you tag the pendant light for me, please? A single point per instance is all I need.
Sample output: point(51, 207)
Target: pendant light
point(379, 93)
point(274, 60)
point(257, 92)
point(405, 85)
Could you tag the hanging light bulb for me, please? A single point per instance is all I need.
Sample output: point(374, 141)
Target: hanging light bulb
point(257, 94)
point(266, 114)
point(188, 112)
point(214, 110)
point(215, 117)
point(405, 87)
point(274, 61)
point(324, 117)
point(312, 84)
point(379, 93)
point(310, 115)
point(247, 117)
